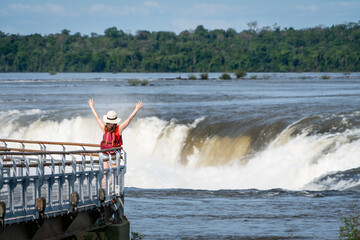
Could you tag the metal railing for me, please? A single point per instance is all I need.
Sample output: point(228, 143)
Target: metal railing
point(36, 182)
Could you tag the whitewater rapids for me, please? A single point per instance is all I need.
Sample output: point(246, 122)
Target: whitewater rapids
point(169, 154)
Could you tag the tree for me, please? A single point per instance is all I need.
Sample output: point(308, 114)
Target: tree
point(65, 32)
point(240, 74)
point(253, 26)
point(111, 32)
point(334, 48)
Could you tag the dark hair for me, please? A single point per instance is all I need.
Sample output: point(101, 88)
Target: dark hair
point(110, 127)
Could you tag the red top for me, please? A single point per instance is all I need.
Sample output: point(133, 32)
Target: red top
point(111, 139)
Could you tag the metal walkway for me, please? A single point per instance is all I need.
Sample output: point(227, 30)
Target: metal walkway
point(52, 190)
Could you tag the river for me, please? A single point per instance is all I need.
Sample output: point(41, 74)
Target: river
point(273, 156)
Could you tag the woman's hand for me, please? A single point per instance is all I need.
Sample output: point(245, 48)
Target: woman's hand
point(91, 103)
point(138, 105)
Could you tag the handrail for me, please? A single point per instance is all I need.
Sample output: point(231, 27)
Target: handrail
point(68, 163)
point(51, 143)
point(8, 151)
point(39, 152)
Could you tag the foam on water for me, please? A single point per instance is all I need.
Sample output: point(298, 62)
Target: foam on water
point(156, 160)
point(16, 114)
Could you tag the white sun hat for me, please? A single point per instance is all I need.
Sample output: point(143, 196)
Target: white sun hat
point(111, 117)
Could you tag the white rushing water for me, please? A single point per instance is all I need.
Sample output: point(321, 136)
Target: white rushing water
point(155, 146)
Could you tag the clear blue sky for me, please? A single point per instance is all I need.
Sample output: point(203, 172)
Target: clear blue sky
point(87, 16)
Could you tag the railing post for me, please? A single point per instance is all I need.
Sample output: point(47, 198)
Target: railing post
point(40, 176)
point(109, 176)
point(123, 171)
point(82, 178)
point(51, 181)
point(100, 175)
point(117, 174)
point(12, 184)
point(72, 178)
point(61, 178)
point(25, 183)
point(2, 171)
point(91, 177)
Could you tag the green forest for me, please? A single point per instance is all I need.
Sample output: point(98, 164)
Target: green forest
point(269, 49)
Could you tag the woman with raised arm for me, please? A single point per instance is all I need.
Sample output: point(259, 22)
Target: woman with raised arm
point(112, 131)
point(110, 125)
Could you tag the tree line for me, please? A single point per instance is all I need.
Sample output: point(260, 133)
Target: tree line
point(269, 49)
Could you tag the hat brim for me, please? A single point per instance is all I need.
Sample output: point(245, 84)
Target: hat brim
point(114, 121)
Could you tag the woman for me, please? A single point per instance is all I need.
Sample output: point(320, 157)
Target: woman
point(112, 131)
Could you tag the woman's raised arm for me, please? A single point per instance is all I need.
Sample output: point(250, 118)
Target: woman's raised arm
point(125, 123)
point(101, 124)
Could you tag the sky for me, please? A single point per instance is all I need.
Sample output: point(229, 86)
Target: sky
point(89, 16)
